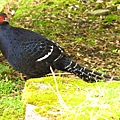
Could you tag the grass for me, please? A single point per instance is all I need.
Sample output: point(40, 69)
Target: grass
point(110, 18)
point(11, 106)
point(67, 23)
point(2, 2)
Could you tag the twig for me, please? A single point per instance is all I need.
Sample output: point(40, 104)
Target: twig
point(62, 102)
point(60, 74)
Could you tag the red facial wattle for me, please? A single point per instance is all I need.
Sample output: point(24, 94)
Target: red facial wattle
point(2, 18)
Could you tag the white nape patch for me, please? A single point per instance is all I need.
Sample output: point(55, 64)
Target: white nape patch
point(46, 55)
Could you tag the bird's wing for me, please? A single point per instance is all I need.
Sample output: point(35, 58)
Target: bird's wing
point(41, 49)
point(36, 47)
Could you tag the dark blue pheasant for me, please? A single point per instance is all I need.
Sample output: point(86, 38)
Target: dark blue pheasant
point(32, 54)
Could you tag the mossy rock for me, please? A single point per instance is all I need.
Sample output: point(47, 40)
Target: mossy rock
point(68, 98)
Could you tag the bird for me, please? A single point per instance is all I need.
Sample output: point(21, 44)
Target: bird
point(33, 54)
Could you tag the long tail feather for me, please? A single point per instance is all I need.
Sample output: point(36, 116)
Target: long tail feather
point(84, 73)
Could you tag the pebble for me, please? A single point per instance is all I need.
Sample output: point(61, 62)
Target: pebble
point(99, 12)
point(118, 8)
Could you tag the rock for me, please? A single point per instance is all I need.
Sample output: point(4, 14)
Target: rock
point(118, 8)
point(45, 99)
point(99, 1)
point(99, 12)
point(31, 114)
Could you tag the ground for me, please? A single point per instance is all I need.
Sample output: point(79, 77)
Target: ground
point(93, 41)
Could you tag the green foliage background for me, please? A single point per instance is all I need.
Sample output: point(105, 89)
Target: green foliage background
point(93, 41)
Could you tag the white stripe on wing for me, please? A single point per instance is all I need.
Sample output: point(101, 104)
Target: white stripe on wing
point(46, 55)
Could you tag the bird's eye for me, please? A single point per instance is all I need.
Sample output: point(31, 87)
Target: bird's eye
point(1, 18)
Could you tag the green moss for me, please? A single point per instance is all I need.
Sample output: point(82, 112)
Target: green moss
point(110, 18)
point(73, 99)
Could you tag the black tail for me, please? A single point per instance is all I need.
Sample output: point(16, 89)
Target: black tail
point(84, 73)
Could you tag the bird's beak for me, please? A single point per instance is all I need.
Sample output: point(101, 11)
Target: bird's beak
point(6, 20)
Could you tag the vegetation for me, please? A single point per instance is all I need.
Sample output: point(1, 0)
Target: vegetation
point(11, 106)
point(93, 41)
point(71, 99)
